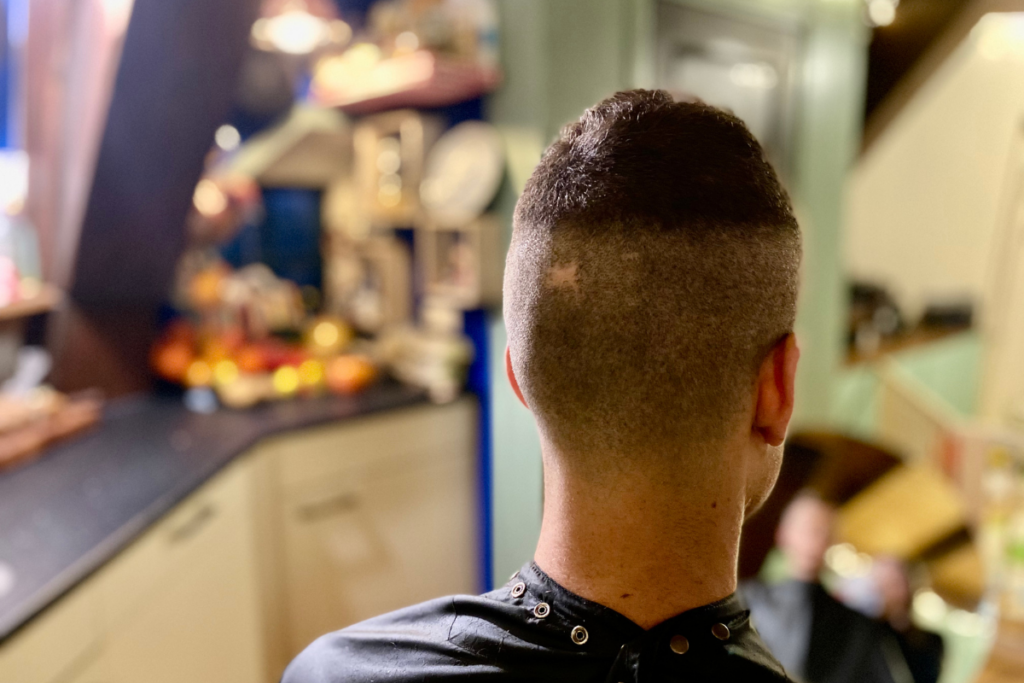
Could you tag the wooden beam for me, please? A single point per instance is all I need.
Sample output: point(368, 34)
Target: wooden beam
point(174, 86)
point(930, 62)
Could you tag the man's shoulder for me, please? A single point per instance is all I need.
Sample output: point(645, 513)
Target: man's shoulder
point(458, 636)
point(499, 637)
point(393, 647)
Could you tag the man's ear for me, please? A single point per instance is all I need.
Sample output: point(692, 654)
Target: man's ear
point(512, 377)
point(775, 390)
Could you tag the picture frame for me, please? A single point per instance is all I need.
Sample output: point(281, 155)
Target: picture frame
point(462, 264)
point(369, 283)
point(390, 153)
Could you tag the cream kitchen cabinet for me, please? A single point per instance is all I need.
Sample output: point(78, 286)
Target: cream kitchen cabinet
point(57, 644)
point(180, 604)
point(375, 516)
point(184, 604)
point(306, 533)
point(92, 670)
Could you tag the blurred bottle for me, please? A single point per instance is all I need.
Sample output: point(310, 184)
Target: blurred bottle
point(1001, 532)
point(10, 283)
point(1013, 593)
point(26, 253)
point(20, 263)
point(435, 355)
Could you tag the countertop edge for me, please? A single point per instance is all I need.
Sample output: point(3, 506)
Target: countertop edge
point(14, 621)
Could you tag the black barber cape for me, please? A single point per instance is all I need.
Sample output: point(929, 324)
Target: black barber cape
point(532, 629)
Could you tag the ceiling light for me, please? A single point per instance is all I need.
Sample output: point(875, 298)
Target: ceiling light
point(882, 12)
point(299, 27)
point(294, 32)
point(227, 138)
point(1000, 36)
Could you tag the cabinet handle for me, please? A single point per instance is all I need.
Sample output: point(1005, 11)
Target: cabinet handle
point(345, 502)
point(194, 525)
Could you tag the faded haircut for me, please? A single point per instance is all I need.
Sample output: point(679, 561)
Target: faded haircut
point(653, 266)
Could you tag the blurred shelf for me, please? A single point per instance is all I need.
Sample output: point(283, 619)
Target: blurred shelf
point(420, 80)
point(907, 340)
point(47, 298)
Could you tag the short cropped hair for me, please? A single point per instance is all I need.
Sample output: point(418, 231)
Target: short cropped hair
point(653, 266)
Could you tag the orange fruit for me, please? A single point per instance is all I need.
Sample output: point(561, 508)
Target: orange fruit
point(199, 374)
point(204, 289)
point(171, 360)
point(180, 329)
point(350, 374)
point(215, 350)
point(251, 359)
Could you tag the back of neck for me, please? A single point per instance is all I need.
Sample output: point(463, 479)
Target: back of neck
point(638, 545)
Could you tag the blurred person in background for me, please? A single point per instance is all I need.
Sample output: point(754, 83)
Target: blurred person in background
point(650, 295)
point(816, 637)
point(885, 594)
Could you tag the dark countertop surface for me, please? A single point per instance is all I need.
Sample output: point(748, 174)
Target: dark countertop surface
point(65, 514)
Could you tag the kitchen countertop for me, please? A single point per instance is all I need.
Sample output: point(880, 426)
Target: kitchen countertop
point(65, 514)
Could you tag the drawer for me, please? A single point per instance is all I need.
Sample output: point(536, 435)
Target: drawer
point(191, 532)
point(387, 441)
point(367, 544)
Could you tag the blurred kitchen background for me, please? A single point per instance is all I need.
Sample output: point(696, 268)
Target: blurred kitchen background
point(251, 346)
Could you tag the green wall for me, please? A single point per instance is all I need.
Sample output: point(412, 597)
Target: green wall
point(560, 57)
point(950, 367)
point(828, 136)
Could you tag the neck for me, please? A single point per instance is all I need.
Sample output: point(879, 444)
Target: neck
point(639, 545)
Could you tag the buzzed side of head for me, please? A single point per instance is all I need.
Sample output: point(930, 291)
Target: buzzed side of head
point(654, 263)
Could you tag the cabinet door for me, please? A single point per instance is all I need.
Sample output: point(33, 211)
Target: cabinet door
point(93, 670)
point(381, 535)
point(54, 644)
point(202, 624)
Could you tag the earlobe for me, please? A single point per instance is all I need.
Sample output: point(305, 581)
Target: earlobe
point(512, 377)
point(776, 388)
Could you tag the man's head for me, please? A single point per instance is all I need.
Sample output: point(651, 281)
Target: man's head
point(804, 534)
point(892, 581)
point(650, 287)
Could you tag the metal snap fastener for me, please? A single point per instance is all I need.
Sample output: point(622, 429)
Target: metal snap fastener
point(679, 645)
point(542, 610)
point(518, 590)
point(579, 635)
point(720, 631)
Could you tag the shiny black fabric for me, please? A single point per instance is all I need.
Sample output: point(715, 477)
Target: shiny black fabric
point(500, 637)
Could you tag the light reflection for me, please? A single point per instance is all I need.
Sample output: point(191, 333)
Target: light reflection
point(227, 138)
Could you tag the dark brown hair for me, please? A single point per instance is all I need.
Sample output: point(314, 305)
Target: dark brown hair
point(654, 263)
